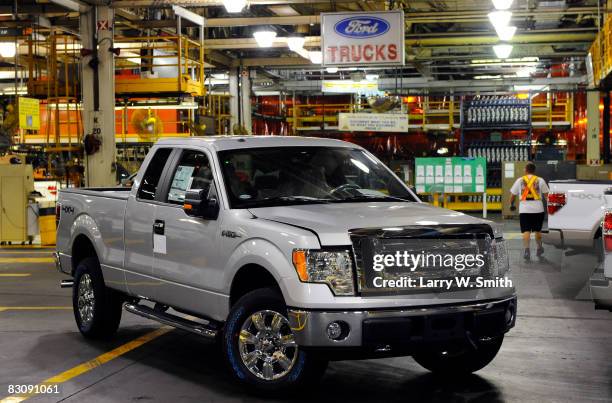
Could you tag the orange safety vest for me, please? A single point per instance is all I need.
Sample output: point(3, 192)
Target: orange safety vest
point(529, 192)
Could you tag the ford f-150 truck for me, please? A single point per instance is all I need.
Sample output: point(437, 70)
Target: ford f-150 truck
point(574, 214)
point(272, 246)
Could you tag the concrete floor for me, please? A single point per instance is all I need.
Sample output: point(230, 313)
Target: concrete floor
point(560, 349)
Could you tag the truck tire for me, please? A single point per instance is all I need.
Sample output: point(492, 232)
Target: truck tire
point(97, 309)
point(459, 362)
point(259, 346)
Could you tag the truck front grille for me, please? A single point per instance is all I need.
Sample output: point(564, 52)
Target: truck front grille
point(434, 244)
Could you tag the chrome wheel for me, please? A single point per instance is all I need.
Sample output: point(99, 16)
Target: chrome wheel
point(267, 345)
point(86, 299)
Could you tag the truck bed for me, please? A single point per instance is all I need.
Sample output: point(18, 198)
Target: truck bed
point(111, 193)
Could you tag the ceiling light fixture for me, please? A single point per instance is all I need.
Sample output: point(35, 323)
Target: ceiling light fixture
point(296, 43)
point(234, 6)
point(8, 49)
point(264, 39)
point(505, 33)
point(502, 4)
point(500, 18)
point(502, 51)
point(315, 57)
point(332, 70)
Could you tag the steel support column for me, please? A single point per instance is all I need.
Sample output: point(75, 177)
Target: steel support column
point(592, 147)
point(606, 127)
point(234, 107)
point(245, 100)
point(98, 89)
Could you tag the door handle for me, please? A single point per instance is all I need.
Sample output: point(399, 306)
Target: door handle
point(158, 227)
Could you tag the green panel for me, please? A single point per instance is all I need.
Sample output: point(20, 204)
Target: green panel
point(451, 175)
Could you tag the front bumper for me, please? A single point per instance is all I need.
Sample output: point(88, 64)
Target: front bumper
point(386, 329)
point(601, 290)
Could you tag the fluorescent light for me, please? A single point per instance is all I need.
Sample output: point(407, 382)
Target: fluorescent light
point(332, 70)
point(296, 43)
point(234, 6)
point(502, 4)
point(500, 18)
point(315, 57)
point(502, 51)
point(8, 49)
point(505, 33)
point(264, 39)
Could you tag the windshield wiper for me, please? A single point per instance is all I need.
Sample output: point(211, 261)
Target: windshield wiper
point(280, 200)
point(364, 197)
point(296, 198)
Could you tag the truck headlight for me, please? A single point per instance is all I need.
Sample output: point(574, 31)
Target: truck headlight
point(334, 268)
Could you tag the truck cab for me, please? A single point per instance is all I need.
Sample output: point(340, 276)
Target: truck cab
point(271, 244)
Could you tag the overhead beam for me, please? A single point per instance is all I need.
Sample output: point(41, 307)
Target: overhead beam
point(565, 83)
point(213, 3)
point(74, 5)
point(448, 41)
point(273, 61)
point(249, 21)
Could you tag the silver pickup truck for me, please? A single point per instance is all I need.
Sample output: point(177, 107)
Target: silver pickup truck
point(272, 246)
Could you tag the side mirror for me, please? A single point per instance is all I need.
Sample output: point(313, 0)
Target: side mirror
point(200, 203)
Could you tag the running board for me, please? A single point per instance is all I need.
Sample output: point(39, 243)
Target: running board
point(198, 328)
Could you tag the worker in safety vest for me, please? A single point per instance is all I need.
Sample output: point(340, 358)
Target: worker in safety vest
point(531, 191)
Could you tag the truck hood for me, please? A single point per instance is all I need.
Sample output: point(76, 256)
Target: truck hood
point(332, 222)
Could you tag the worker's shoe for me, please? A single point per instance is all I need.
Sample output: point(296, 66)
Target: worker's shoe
point(527, 254)
point(540, 251)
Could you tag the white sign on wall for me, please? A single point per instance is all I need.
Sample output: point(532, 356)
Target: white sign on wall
point(373, 122)
point(363, 39)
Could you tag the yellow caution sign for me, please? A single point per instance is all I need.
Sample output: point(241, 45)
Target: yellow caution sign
point(29, 113)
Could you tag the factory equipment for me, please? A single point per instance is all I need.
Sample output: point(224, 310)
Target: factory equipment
point(16, 184)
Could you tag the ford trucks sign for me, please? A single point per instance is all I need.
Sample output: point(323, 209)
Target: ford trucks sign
point(363, 39)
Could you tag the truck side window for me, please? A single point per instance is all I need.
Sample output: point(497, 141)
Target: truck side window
point(150, 180)
point(192, 172)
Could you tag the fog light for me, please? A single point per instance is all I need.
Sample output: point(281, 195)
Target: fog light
point(334, 330)
point(337, 330)
point(509, 315)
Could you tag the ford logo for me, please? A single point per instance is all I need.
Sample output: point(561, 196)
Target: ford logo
point(361, 27)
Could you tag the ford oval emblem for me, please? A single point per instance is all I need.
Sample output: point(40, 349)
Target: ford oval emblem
point(361, 27)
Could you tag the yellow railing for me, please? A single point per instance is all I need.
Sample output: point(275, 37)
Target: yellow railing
point(429, 113)
point(159, 64)
point(601, 52)
point(52, 66)
point(216, 106)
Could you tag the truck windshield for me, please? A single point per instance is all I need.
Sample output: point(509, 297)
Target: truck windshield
point(261, 177)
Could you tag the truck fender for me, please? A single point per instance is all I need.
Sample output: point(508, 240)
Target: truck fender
point(85, 225)
point(258, 251)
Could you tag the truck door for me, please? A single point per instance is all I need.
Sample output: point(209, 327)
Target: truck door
point(188, 267)
point(139, 225)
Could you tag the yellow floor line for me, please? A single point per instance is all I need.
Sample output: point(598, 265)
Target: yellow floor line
point(15, 274)
point(92, 364)
point(26, 260)
point(16, 246)
point(25, 252)
point(34, 308)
